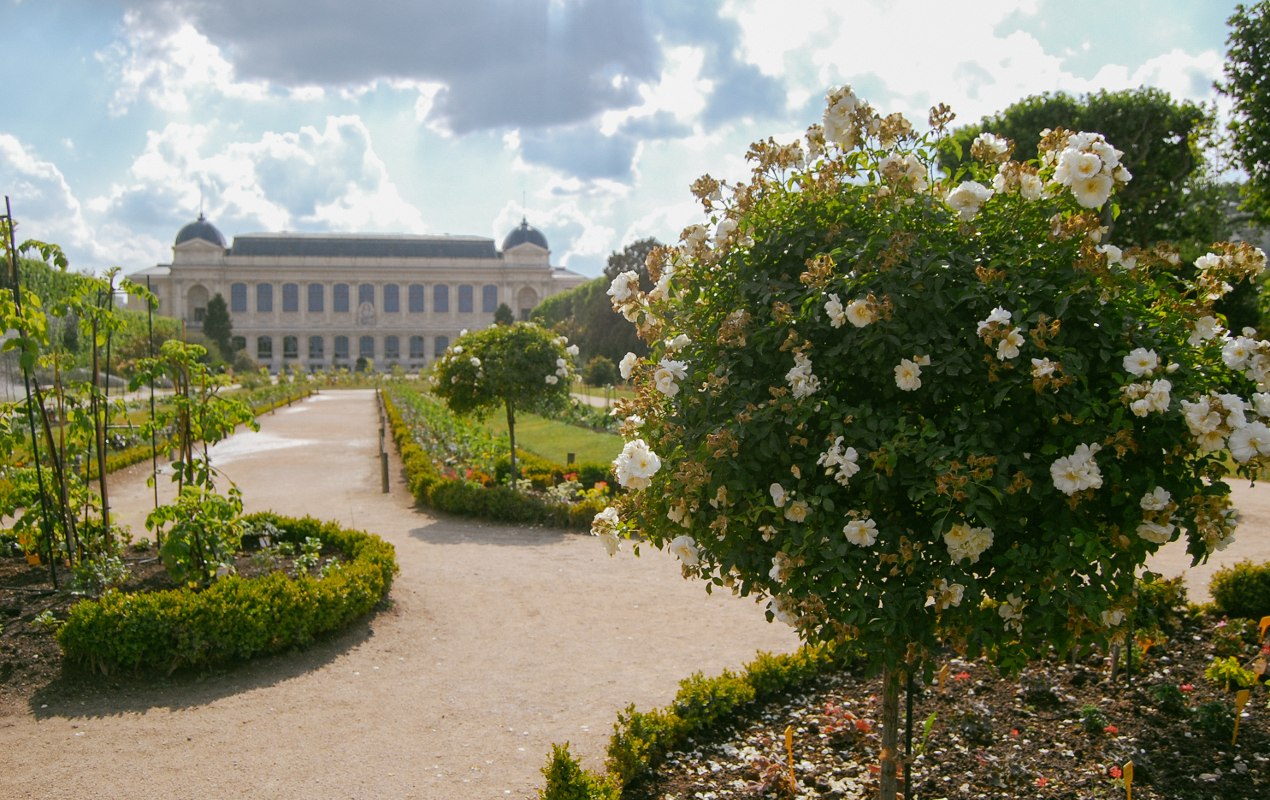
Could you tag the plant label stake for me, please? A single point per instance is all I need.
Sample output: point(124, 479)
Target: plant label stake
point(1241, 700)
point(943, 678)
point(1128, 780)
point(1265, 623)
point(789, 748)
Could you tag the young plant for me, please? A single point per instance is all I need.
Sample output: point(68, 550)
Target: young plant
point(201, 532)
point(1228, 674)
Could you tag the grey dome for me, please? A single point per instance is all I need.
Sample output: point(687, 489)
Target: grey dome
point(200, 229)
point(525, 233)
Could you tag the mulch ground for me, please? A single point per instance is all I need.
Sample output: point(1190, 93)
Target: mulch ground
point(1033, 736)
point(30, 658)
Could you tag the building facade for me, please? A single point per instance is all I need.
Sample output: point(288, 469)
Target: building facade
point(319, 300)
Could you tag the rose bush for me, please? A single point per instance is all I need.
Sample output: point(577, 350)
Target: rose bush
point(1015, 417)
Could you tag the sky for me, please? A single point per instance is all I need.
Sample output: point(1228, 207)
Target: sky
point(590, 118)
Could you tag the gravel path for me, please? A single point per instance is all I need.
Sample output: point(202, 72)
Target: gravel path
point(501, 641)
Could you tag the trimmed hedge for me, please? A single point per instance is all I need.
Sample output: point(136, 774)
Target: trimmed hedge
point(471, 499)
point(1242, 590)
point(642, 740)
point(235, 617)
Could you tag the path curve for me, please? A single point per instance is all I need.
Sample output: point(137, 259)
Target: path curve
point(501, 641)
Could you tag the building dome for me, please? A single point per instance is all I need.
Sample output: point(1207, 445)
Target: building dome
point(526, 233)
point(202, 229)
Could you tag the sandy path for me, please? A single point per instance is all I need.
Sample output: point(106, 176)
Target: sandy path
point(502, 640)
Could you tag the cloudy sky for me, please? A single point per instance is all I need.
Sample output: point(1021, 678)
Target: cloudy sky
point(439, 116)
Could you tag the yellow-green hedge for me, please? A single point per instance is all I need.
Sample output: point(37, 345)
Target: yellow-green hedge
point(234, 618)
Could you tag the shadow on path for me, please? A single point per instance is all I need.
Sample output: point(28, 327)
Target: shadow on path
point(78, 694)
point(449, 529)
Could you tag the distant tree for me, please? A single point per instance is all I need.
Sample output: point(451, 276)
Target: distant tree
point(632, 258)
point(504, 316)
point(600, 371)
point(1172, 197)
point(1248, 86)
point(217, 326)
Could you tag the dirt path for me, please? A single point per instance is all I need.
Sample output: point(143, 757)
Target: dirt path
point(501, 641)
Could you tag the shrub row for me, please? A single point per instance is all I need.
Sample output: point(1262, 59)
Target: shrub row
point(642, 740)
point(544, 472)
point(1242, 590)
point(468, 498)
point(235, 617)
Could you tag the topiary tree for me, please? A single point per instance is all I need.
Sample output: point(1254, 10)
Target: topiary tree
point(599, 371)
point(917, 412)
point(218, 327)
point(503, 315)
point(518, 366)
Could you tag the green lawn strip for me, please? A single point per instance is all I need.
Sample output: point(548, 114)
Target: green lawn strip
point(555, 440)
point(598, 391)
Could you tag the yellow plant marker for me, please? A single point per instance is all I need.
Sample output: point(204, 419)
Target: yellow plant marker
point(1241, 700)
point(943, 677)
point(789, 748)
point(1265, 623)
point(1128, 780)
point(1259, 667)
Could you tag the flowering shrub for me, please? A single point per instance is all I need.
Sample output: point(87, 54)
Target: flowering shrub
point(911, 409)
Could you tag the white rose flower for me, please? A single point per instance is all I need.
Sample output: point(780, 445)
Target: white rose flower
point(1073, 165)
point(1093, 191)
point(725, 228)
point(1008, 347)
point(778, 494)
point(840, 105)
point(627, 365)
point(1236, 352)
point(1211, 442)
point(1077, 472)
point(458, 349)
point(1248, 442)
point(604, 525)
point(635, 465)
point(1043, 367)
point(861, 532)
point(1031, 187)
point(801, 379)
point(1112, 618)
point(796, 511)
point(1141, 362)
point(685, 548)
point(695, 236)
point(784, 609)
point(678, 343)
point(841, 460)
point(1261, 403)
point(964, 541)
point(1155, 532)
point(860, 313)
point(1012, 612)
point(992, 143)
point(668, 372)
point(474, 361)
point(624, 287)
point(947, 594)
point(552, 380)
point(908, 376)
point(1208, 261)
point(1157, 399)
point(1157, 499)
point(1113, 253)
point(998, 315)
point(1205, 328)
point(572, 350)
point(837, 315)
point(967, 198)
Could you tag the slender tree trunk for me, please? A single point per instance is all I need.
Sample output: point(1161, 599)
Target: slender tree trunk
point(890, 733)
point(100, 431)
point(511, 434)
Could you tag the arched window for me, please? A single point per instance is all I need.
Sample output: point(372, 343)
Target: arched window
point(416, 298)
point(290, 298)
point(196, 298)
point(418, 347)
point(316, 348)
point(238, 343)
point(526, 299)
point(440, 345)
point(238, 297)
point(366, 294)
point(465, 299)
point(441, 298)
point(489, 298)
point(340, 298)
point(290, 347)
point(366, 347)
point(392, 301)
point(264, 348)
point(392, 348)
point(264, 297)
point(341, 347)
point(316, 295)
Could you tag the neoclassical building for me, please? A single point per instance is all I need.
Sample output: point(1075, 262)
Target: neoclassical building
point(323, 299)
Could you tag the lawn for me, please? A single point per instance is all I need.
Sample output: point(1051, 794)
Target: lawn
point(599, 391)
point(555, 440)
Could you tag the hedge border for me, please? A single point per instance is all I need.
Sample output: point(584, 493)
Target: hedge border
point(470, 499)
point(234, 618)
point(642, 740)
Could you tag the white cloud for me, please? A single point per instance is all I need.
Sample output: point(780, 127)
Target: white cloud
point(679, 90)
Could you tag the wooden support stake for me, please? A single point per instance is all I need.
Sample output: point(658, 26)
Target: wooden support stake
point(1128, 780)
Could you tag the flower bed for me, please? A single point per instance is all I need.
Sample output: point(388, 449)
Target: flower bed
point(449, 461)
point(233, 618)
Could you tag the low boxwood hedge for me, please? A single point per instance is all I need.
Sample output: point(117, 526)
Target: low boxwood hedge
point(1242, 590)
point(468, 498)
point(234, 617)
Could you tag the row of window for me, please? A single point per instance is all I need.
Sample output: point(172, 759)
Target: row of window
point(365, 347)
point(365, 294)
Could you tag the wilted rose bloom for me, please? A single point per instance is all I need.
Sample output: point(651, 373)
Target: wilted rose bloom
point(694, 236)
point(781, 565)
point(1093, 191)
point(796, 511)
point(861, 532)
point(1141, 362)
point(624, 286)
point(784, 609)
point(1249, 441)
point(1008, 347)
point(1155, 532)
point(685, 548)
point(908, 376)
point(1112, 618)
point(833, 307)
point(636, 465)
point(1043, 367)
point(778, 494)
point(860, 313)
point(991, 143)
point(947, 594)
point(967, 198)
point(627, 365)
point(840, 459)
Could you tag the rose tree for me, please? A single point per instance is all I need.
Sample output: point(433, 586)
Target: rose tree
point(519, 366)
point(912, 411)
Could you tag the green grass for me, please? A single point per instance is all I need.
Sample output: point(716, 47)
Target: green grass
point(554, 440)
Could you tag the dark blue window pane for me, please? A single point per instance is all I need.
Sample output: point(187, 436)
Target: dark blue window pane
point(391, 300)
point(238, 297)
point(489, 298)
point(290, 298)
point(441, 299)
point(315, 297)
point(416, 299)
point(340, 298)
point(264, 297)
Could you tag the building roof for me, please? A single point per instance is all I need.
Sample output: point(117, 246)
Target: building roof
point(362, 245)
point(200, 229)
point(526, 233)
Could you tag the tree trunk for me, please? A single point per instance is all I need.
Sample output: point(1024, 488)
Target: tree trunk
point(887, 783)
point(100, 431)
point(511, 435)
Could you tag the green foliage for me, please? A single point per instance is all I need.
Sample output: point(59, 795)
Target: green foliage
point(1169, 698)
point(1242, 590)
point(585, 314)
point(233, 618)
point(218, 327)
point(600, 371)
point(566, 780)
point(92, 576)
point(203, 536)
point(1161, 601)
point(1092, 720)
point(1247, 85)
point(1226, 673)
point(703, 703)
point(1234, 637)
point(1170, 198)
point(503, 315)
point(1215, 720)
point(516, 366)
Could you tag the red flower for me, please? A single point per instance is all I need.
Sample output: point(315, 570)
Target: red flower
point(1115, 772)
point(1014, 731)
point(572, 476)
point(863, 726)
point(1186, 687)
point(1111, 729)
point(961, 676)
point(1041, 781)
